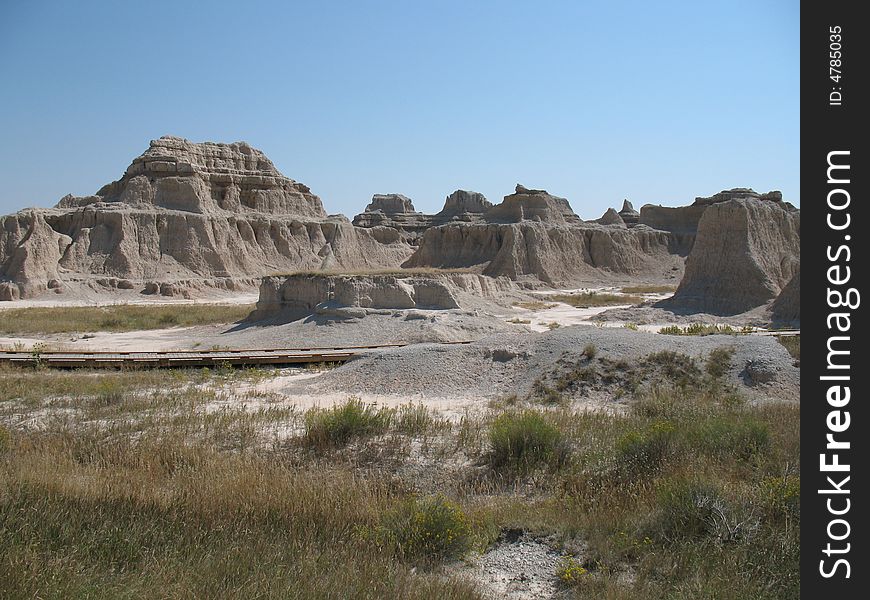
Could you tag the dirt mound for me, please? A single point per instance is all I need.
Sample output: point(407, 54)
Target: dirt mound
point(504, 364)
point(745, 253)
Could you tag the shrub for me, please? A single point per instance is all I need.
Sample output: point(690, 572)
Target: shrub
point(570, 572)
point(429, 530)
point(719, 362)
point(590, 351)
point(632, 326)
point(413, 419)
point(675, 366)
point(337, 425)
point(647, 449)
point(731, 436)
point(524, 440)
point(781, 496)
point(688, 509)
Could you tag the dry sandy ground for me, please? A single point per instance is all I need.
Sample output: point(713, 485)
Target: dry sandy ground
point(433, 325)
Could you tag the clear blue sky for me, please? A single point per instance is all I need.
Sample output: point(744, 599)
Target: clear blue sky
point(657, 102)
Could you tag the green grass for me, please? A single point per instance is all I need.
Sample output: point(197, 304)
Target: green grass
point(521, 441)
point(117, 318)
point(336, 426)
point(592, 299)
point(703, 329)
point(648, 289)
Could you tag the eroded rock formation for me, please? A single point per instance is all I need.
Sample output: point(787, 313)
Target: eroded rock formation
point(185, 211)
point(745, 252)
point(297, 296)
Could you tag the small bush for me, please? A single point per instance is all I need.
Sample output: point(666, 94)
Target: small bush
point(719, 362)
point(553, 325)
point(781, 496)
point(429, 530)
point(524, 440)
point(730, 436)
point(632, 326)
point(677, 367)
point(339, 424)
point(413, 419)
point(571, 573)
point(688, 509)
point(590, 351)
point(647, 449)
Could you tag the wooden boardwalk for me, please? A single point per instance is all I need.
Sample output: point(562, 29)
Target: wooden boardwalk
point(188, 358)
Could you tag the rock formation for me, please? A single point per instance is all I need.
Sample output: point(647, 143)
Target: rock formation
point(532, 205)
point(296, 296)
point(553, 253)
point(745, 252)
point(628, 214)
point(611, 217)
point(185, 211)
point(464, 205)
point(786, 309)
point(186, 217)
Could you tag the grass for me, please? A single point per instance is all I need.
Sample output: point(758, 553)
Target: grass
point(177, 484)
point(521, 441)
point(414, 272)
point(648, 289)
point(336, 426)
point(534, 305)
point(792, 343)
point(117, 318)
point(704, 329)
point(592, 299)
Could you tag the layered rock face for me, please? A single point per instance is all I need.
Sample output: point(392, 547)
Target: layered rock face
point(464, 205)
point(397, 212)
point(628, 214)
point(296, 296)
point(683, 221)
point(745, 252)
point(533, 205)
point(185, 211)
point(180, 175)
point(553, 253)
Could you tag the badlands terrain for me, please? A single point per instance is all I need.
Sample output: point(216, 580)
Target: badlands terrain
point(551, 407)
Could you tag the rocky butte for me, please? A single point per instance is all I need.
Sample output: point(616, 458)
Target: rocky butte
point(185, 216)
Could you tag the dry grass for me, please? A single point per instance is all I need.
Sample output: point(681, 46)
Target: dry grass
point(116, 318)
point(415, 272)
point(591, 299)
point(792, 343)
point(534, 305)
point(648, 289)
point(156, 484)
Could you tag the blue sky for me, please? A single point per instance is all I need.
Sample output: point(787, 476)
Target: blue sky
point(657, 102)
